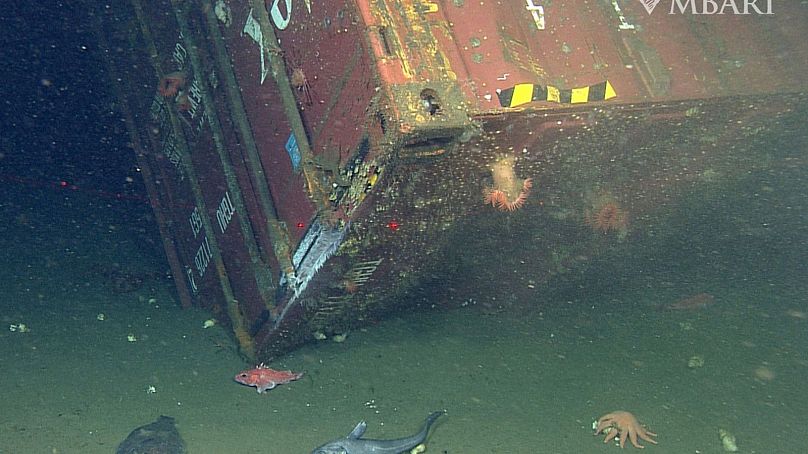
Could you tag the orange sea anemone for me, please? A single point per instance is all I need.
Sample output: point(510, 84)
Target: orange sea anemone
point(607, 215)
point(350, 286)
point(171, 84)
point(508, 192)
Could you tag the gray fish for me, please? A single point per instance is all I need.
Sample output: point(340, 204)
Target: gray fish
point(159, 437)
point(354, 444)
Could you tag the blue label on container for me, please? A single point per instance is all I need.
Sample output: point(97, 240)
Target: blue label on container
point(294, 152)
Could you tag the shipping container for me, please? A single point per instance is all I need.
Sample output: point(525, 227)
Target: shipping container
point(309, 163)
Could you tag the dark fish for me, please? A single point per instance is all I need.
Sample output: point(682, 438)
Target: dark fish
point(159, 437)
point(355, 444)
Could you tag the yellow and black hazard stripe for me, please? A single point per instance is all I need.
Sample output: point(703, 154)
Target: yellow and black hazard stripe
point(524, 93)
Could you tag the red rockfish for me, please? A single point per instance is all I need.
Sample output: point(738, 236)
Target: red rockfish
point(264, 378)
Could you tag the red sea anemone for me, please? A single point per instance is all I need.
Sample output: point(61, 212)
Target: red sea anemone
point(171, 84)
point(607, 215)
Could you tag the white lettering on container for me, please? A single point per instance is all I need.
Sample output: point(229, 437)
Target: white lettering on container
point(202, 257)
point(196, 221)
point(225, 211)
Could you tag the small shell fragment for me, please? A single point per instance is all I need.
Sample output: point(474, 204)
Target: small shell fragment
point(695, 362)
point(728, 440)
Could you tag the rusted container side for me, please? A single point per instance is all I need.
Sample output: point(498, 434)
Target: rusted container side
point(263, 106)
point(130, 70)
point(190, 143)
point(331, 74)
point(254, 245)
point(249, 55)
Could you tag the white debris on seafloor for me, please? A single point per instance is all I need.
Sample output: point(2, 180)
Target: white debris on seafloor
point(100, 317)
point(131, 338)
point(728, 441)
point(19, 328)
point(695, 362)
point(208, 323)
point(605, 430)
point(151, 389)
